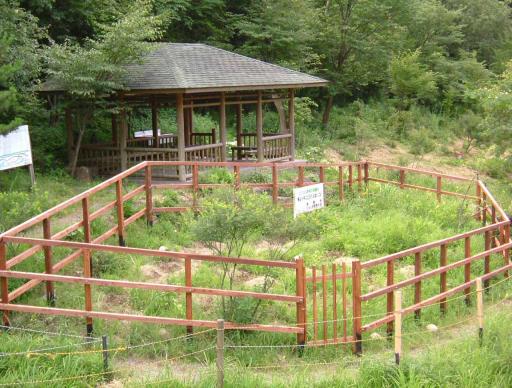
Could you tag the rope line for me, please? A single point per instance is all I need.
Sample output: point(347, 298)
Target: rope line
point(8, 328)
point(42, 351)
point(68, 378)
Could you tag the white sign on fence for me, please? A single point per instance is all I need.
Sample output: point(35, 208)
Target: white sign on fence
point(308, 198)
point(15, 150)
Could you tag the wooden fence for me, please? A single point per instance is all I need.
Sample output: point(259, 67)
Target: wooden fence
point(342, 301)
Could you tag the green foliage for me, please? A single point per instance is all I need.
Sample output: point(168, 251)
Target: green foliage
point(411, 81)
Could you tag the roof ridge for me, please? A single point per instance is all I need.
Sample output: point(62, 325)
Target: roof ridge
point(259, 60)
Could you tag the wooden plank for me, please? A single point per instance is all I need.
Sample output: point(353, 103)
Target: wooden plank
point(487, 258)
point(315, 307)
point(180, 124)
point(321, 174)
point(419, 171)
point(359, 178)
point(259, 128)
point(4, 283)
point(350, 177)
point(331, 341)
point(301, 306)
point(291, 121)
point(506, 240)
point(87, 262)
point(427, 246)
point(145, 318)
point(417, 285)
point(402, 178)
point(439, 187)
point(341, 188)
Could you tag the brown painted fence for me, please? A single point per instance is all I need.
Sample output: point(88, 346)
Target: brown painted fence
point(339, 293)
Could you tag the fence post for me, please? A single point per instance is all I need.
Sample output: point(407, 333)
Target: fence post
point(356, 307)
point(439, 187)
point(478, 216)
point(402, 178)
point(188, 295)
point(321, 174)
point(398, 325)
point(195, 184)
point(275, 184)
point(237, 177)
point(87, 263)
point(47, 234)
point(442, 281)
point(220, 353)
point(149, 196)
point(350, 177)
point(104, 346)
point(506, 252)
point(366, 173)
point(484, 209)
point(300, 182)
point(359, 177)
point(340, 183)
point(487, 258)
point(480, 308)
point(417, 285)
point(120, 212)
point(390, 275)
point(301, 305)
point(467, 269)
point(4, 285)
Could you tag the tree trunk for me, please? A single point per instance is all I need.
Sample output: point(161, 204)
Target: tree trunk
point(283, 127)
point(327, 111)
point(82, 119)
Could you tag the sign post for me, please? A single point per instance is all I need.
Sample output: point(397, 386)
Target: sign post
point(308, 198)
point(15, 151)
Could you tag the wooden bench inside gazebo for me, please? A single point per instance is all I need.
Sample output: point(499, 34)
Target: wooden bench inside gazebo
point(197, 77)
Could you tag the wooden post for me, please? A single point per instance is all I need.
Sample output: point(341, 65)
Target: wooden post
point(366, 173)
point(149, 195)
point(350, 177)
point(4, 285)
point(480, 308)
point(275, 183)
point(467, 269)
point(478, 216)
point(402, 178)
point(115, 129)
point(390, 279)
point(181, 135)
point(356, 307)
point(301, 305)
point(291, 121)
point(484, 209)
point(222, 125)
point(239, 129)
point(120, 212)
point(417, 285)
point(220, 353)
point(188, 295)
point(300, 182)
point(48, 268)
point(123, 136)
point(104, 347)
point(344, 299)
point(321, 174)
point(70, 138)
point(359, 178)
point(195, 184)
point(398, 325)
point(87, 263)
point(506, 252)
point(154, 123)
point(439, 187)
point(259, 128)
point(236, 170)
point(487, 258)
point(442, 281)
point(341, 189)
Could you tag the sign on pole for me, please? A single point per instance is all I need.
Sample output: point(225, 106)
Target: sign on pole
point(308, 198)
point(15, 150)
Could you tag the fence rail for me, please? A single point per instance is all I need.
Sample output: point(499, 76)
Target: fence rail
point(328, 291)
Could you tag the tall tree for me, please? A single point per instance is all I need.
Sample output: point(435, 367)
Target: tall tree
point(355, 40)
point(96, 70)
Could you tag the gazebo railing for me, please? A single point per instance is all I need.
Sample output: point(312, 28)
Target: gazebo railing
point(168, 140)
point(105, 158)
point(277, 147)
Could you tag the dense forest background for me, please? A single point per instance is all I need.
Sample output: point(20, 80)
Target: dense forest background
point(425, 73)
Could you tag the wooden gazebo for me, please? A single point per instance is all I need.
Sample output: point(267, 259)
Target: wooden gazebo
point(197, 76)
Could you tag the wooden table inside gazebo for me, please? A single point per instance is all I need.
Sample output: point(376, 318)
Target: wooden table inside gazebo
point(191, 77)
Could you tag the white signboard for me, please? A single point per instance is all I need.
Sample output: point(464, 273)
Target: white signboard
point(145, 133)
point(15, 150)
point(309, 198)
